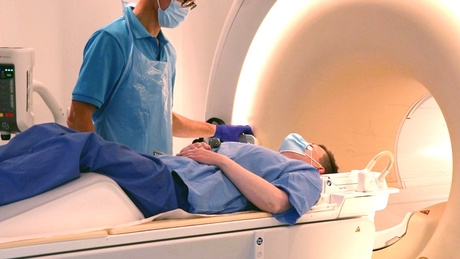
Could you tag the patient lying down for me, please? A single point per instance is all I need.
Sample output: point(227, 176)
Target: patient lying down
point(234, 177)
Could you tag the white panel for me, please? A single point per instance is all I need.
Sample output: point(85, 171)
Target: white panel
point(305, 241)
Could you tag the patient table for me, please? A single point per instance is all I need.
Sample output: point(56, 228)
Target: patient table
point(92, 217)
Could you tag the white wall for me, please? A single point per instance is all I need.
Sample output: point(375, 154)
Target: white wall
point(58, 31)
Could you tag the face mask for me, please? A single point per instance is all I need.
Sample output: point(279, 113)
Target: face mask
point(173, 15)
point(294, 143)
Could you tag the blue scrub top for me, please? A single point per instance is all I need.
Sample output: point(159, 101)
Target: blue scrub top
point(105, 57)
point(210, 191)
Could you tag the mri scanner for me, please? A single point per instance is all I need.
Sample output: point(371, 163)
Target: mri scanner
point(343, 73)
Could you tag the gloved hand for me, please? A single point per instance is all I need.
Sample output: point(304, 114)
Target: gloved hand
point(231, 132)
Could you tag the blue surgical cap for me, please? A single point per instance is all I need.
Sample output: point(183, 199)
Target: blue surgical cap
point(294, 143)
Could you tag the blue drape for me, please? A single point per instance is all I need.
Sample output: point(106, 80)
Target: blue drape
point(48, 155)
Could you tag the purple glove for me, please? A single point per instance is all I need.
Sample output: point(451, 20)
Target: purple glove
point(231, 132)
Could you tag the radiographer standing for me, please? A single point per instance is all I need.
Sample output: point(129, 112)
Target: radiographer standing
point(125, 87)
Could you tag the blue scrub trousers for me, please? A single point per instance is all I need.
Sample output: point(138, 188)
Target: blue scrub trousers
point(49, 155)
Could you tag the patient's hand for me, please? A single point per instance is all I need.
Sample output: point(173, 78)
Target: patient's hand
point(195, 146)
point(202, 153)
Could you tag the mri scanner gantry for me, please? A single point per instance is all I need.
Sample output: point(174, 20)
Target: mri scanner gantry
point(322, 63)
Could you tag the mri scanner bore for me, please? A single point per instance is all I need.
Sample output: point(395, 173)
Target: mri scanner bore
point(424, 131)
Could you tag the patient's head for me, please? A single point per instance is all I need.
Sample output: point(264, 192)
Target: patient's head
point(328, 161)
point(296, 147)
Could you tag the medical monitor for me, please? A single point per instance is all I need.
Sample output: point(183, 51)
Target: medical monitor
point(15, 90)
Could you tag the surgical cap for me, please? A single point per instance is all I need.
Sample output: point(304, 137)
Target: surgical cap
point(294, 143)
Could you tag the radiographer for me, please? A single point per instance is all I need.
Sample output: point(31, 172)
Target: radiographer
point(124, 91)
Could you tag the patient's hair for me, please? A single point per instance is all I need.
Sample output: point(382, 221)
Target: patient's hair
point(328, 161)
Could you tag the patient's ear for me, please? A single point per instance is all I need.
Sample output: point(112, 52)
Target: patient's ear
point(321, 170)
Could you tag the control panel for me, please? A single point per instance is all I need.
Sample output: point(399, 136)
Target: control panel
point(16, 89)
point(7, 99)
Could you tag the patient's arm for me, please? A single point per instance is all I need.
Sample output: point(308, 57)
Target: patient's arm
point(257, 190)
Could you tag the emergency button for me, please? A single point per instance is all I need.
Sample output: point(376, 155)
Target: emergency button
point(9, 115)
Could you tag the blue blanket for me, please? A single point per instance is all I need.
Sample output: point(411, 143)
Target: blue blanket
point(49, 155)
